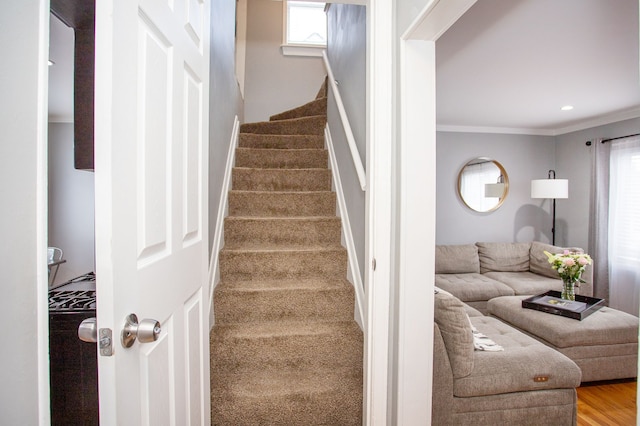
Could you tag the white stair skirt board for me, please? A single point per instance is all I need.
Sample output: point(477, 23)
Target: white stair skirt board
point(223, 210)
point(354, 268)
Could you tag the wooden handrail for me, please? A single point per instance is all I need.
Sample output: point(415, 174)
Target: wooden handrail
point(355, 155)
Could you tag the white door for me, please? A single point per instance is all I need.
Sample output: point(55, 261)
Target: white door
point(151, 148)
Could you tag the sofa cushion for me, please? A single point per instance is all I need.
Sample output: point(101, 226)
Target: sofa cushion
point(524, 365)
point(471, 311)
point(457, 259)
point(472, 287)
point(456, 332)
point(527, 282)
point(539, 262)
point(504, 257)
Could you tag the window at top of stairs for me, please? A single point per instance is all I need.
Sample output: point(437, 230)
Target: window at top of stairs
point(304, 29)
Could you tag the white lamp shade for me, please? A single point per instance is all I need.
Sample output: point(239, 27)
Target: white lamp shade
point(550, 188)
point(494, 190)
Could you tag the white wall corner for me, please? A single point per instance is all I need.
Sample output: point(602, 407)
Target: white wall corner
point(353, 273)
point(218, 238)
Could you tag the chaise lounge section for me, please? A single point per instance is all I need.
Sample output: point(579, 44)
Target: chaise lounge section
point(526, 383)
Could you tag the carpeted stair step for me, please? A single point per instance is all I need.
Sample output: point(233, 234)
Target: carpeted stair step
point(255, 140)
point(286, 346)
point(275, 398)
point(246, 265)
point(294, 232)
point(313, 125)
point(285, 349)
point(315, 107)
point(282, 158)
point(291, 300)
point(274, 204)
point(253, 179)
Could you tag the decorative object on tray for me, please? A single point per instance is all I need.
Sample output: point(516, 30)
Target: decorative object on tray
point(570, 266)
point(551, 302)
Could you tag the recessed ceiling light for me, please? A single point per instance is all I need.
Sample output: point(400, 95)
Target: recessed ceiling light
point(567, 108)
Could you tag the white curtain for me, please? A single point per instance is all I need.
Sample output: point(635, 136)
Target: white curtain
point(599, 218)
point(624, 225)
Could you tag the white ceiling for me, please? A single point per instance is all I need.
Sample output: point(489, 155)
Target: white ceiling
point(510, 65)
point(505, 66)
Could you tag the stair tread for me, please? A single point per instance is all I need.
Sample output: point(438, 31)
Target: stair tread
point(286, 284)
point(285, 219)
point(284, 250)
point(281, 151)
point(279, 382)
point(279, 169)
point(246, 191)
point(276, 247)
point(295, 119)
point(286, 328)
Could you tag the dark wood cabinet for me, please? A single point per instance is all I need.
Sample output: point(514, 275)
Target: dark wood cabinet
point(80, 15)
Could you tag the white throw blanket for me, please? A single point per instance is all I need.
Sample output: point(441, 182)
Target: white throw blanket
point(483, 343)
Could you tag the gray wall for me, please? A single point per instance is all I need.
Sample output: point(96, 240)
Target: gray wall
point(525, 158)
point(346, 49)
point(573, 159)
point(23, 210)
point(225, 101)
point(71, 205)
point(520, 218)
point(273, 82)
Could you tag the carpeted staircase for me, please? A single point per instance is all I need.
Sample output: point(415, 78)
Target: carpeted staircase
point(285, 349)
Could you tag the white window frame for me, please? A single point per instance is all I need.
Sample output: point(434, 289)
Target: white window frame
point(291, 49)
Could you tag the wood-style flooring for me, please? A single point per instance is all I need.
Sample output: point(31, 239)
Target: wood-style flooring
point(607, 403)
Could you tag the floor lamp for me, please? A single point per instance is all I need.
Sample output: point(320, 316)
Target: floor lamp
point(550, 188)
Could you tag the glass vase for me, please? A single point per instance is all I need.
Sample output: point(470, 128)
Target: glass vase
point(568, 289)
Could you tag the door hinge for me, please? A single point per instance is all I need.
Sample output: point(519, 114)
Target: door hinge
point(105, 342)
point(373, 264)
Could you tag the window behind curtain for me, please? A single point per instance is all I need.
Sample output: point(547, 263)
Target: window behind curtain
point(472, 185)
point(624, 225)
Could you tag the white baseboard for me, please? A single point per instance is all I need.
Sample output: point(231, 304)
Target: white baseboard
point(354, 268)
point(218, 237)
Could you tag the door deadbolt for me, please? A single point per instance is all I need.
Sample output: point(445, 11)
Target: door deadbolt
point(146, 331)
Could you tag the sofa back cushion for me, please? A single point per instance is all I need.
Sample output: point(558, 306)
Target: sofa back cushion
point(504, 257)
point(456, 332)
point(539, 262)
point(457, 259)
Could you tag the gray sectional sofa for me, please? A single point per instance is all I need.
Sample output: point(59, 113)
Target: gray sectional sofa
point(527, 383)
point(476, 273)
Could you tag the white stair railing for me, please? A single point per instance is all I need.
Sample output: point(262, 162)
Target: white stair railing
point(355, 155)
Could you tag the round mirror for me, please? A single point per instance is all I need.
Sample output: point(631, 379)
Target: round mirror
point(483, 184)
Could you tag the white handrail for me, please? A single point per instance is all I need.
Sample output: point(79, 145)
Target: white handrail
point(355, 155)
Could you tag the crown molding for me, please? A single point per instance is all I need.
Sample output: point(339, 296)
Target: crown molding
point(581, 125)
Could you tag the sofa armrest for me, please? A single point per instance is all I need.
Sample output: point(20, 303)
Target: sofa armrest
point(442, 392)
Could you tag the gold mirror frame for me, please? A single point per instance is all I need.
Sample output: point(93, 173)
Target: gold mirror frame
point(479, 178)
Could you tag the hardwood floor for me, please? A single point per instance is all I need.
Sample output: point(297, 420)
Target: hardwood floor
point(607, 403)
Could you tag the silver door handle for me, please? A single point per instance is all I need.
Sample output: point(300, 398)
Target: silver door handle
point(145, 331)
point(88, 330)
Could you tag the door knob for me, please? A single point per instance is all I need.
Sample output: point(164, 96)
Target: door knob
point(145, 331)
point(88, 330)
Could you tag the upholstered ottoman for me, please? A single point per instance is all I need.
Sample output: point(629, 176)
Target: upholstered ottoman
point(604, 344)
